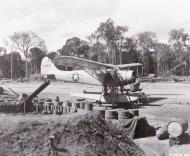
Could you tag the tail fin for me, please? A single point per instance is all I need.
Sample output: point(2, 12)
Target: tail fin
point(47, 67)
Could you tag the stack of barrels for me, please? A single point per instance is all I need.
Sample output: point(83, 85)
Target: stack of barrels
point(120, 114)
point(8, 106)
point(56, 106)
point(48, 106)
point(83, 105)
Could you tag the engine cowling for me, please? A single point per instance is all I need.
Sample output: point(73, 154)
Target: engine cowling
point(126, 76)
point(117, 77)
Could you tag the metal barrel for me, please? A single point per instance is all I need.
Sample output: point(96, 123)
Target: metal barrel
point(58, 103)
point(124, 114)
point(82, 105)
point(111, 114)
point(177, 128)
point(68, 103)
point(48, 100)
point(80, 99)
point(49, 107)
point(99, 111)
point(89, 106)
point(134, 112)
point(60, 109)
point(57, 98)
point(45, 109)
point(56, 110)
point(76, 104)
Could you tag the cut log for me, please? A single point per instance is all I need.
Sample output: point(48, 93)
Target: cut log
point(177, 128)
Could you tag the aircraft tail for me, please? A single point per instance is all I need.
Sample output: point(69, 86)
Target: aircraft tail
point(47, 67)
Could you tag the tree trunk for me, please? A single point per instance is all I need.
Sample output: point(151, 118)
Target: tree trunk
point(120, 57)
point(26, 72)
point(158, 68)
point(187, 65)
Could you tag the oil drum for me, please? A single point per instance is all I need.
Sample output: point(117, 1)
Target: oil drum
point(88, 106)
point(111, 114)
point(124, 114)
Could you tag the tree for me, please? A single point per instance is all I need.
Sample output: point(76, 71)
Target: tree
point(36, 56)
point(164, 58)
point(5, 65)
point(146, 45)
point(120, 40)
point(97, 52)
point(179, 42)
point(146, 41)
point(24, 41)
point(112, 36)
point(75, 47)
point(18, 65)
point(130, 54)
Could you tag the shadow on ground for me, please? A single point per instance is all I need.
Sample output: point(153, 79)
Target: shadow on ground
point(185, 138)
point(155, 99)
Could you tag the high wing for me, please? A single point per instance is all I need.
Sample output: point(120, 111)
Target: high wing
point(89, 64)
point(82, 63)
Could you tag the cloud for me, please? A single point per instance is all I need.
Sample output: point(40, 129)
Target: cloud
point(54, 20)
point(159, 16)
point(57, 20)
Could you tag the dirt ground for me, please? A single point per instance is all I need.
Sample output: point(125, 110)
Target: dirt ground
point(167, 101)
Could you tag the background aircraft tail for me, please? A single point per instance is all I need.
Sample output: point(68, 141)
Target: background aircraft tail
point(47, 67)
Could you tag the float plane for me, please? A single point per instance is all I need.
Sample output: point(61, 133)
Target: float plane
point(119, 82)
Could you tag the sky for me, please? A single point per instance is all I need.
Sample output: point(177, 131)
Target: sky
point(57, 20)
